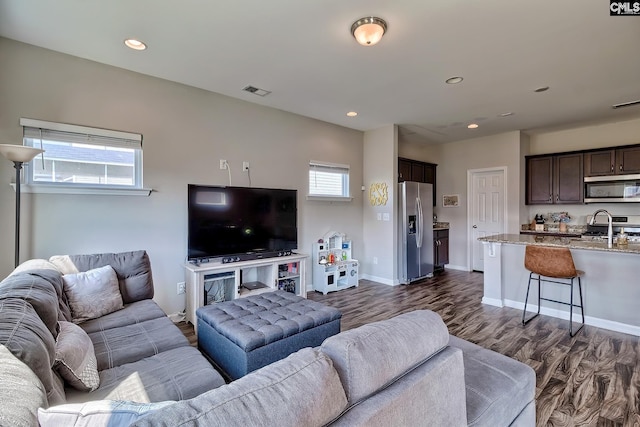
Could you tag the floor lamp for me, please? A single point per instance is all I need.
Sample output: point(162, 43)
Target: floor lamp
point(18, 154)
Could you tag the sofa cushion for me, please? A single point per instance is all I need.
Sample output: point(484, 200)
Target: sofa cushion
point(372, 356)
point(302, 389)
point(101, 413)
point(132, 268)
point(136, 312)
point(75, 358)
point(498, 388)
point(38, 292)
point(24, 334)
point(177, 374)
point(92, 293)
point(34, 264)
point(126, 344)
point(21, 393)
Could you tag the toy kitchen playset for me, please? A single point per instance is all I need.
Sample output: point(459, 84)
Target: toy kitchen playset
point(333, 267)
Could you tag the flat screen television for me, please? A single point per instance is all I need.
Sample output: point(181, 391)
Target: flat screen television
point(226, 221)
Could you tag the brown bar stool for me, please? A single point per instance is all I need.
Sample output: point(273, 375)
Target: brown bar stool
point(552, 263)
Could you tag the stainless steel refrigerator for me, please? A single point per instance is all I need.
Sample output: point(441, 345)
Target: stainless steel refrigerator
point(416, 231)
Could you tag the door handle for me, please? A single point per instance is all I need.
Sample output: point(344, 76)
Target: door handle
point(475, 226)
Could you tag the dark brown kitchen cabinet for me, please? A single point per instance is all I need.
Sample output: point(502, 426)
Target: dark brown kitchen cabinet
point(555, 179)
point(414, 170)
point(440, 249)
point(612, 162)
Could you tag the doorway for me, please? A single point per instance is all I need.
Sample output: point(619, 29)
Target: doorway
point(486, 210)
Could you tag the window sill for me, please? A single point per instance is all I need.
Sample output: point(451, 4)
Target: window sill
point(329, 198)
point(60, 189)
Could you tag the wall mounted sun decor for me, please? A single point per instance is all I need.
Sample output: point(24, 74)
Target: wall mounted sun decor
point(378, 194)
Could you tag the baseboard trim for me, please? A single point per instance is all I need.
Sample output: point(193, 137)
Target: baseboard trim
point(456, 267)
point(492, 301)
point(589, 320)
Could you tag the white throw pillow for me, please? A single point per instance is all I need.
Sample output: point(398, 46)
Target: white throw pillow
point(93, 293)
point(76, 358)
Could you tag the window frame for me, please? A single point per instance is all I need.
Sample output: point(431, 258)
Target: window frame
point(34, 130)
point(344, 170)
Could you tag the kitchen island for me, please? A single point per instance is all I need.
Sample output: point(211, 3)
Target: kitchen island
point(611, 283)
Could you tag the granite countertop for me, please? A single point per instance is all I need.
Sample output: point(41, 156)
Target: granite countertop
point(440, 225)
point(566, 242)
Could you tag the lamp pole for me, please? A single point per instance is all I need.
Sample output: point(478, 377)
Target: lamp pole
point(18, 154)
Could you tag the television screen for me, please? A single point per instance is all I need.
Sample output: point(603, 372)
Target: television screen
point(239, 220)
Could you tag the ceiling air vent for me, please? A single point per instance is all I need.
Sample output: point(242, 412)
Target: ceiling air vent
point(626, 104)
point(256, 90)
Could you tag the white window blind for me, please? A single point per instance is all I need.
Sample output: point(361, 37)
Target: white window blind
point(328, 180)
point(82, 156)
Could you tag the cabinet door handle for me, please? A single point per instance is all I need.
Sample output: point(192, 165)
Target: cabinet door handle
point(550, 197)
point(611, 168)
point(621, 168)
point(557, 198)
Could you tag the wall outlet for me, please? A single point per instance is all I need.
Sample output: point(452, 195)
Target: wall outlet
point(223, 164)
point(245, 166)
point(375, 259)
point(182, 288)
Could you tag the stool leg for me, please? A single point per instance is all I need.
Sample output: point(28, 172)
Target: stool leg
point(571, 333)
point(526, 299)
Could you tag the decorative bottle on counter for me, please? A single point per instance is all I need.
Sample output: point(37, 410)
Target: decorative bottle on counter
point(623, 239)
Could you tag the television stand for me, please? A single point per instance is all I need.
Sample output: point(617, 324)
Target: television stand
point(212, 282)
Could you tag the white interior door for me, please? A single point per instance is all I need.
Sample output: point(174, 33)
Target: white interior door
point(487, 210)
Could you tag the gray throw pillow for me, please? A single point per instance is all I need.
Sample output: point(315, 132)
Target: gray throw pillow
point(76, 358)
point(93, 293)
point(21, 393)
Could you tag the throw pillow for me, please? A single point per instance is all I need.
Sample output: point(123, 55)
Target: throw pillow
point(93, 293)
point(76, 358)
point(100, 413)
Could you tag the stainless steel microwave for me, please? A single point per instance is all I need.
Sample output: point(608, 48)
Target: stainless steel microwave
point(612, 189)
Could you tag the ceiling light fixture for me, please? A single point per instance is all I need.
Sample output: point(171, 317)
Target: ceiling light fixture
point(368, 31)
point(542, 89)
point(506, 114)
point(454, 80)
point(472, 126)
point(352, 114)
point(135, 44)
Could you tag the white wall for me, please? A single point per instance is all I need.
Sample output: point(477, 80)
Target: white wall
point(503, 150)
point(380, 160)
point(584, 138)
point(186, 131)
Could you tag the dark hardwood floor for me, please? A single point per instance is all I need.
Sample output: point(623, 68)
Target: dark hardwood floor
point(592, 379)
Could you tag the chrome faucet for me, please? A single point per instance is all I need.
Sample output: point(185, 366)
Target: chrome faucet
point(610, 230)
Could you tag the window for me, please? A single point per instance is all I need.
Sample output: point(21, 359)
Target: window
point(328, 180)
point(78, 156)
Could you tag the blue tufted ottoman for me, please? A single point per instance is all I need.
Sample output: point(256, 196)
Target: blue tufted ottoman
point(245, 334)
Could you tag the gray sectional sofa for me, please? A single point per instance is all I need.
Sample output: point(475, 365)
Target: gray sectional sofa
point(132, 353)
point(404, 371)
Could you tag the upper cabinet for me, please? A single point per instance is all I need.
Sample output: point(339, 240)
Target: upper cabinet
point(414, 170)
point(612, 162)
point(555, 179)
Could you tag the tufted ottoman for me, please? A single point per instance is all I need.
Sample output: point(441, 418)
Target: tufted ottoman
point(245, 334)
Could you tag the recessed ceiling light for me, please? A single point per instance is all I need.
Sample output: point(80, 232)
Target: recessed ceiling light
point(506, 114)
point(135, 44)
point(352, 114)
point(454, 80)
point(472, 126)
point(542, 89)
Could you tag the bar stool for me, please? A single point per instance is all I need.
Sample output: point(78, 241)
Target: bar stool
point(552, 263)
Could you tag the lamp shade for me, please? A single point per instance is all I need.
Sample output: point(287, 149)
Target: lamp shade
point(368, 31)
point(19, 153)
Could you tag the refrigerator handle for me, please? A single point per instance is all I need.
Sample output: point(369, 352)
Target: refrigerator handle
point(419, 222)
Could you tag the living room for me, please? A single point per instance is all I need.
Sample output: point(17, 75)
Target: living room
point(187, 130)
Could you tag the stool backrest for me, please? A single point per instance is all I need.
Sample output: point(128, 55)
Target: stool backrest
point(549, 261)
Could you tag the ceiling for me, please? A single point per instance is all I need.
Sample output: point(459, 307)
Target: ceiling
point(303, 52)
